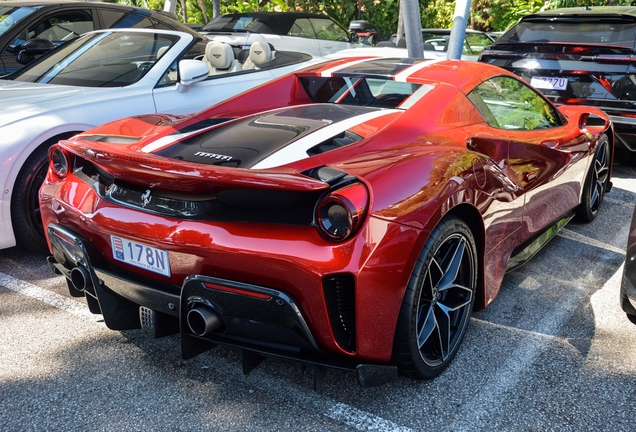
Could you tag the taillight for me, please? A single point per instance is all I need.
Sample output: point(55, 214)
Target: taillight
point(59, 161)
point(341, 213)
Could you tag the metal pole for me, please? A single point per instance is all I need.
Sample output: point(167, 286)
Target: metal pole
point(413, 28)
point(400, 29)
point(458, 31)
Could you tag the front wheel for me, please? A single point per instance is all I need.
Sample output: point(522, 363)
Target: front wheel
point(595, 182)
point(438, 301)
point(25, 205)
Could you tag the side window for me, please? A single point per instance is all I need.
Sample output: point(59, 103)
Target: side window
point(506, 103)
point(159, 25)
point(302, 28)
point(117, 19)
point(477, 42)
point(329, 30)
point(62, 26)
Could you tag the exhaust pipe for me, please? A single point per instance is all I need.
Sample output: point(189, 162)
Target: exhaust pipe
point(203, 320)
point(80, 278)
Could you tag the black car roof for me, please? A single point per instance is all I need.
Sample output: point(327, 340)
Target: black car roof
point(585, 11)
point(156, 14)
point(269, 22)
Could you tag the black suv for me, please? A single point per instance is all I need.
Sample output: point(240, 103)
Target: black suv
point(577, 56)
point(30, 28)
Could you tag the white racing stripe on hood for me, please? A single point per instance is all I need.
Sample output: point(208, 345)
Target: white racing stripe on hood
point(169, 139)
point(298, 149)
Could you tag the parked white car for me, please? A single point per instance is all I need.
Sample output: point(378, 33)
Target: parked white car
point(100, 77)
point(314, 34)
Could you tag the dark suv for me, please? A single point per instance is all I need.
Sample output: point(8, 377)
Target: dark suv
point(30, 28)
point(578, 56)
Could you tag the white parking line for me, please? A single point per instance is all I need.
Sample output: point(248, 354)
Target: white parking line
point(53, 299)
point(506, 378)
point(526, 333)
point(361, 420)
point(571, 235)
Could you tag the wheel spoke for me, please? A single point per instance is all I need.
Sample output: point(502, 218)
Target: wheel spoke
point(600, 174)
point(427, 320)
point(454, 256)
point(594, 197)
point(444, 329)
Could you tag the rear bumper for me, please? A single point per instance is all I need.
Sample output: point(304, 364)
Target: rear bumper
point(255, 319)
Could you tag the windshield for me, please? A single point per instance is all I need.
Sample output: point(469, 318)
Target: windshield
point(10, 16)
point(109, 59)
point(363, 91)
point(228, 23)
point(607, 31)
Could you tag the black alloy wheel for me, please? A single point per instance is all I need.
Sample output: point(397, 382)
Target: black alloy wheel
point(438, 301)
point(595, 182)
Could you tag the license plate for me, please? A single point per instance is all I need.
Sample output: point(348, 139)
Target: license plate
point(549, 83)
point(140, 255)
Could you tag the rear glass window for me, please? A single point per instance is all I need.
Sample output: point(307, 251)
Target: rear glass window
point(374, 92)
point(570, 30)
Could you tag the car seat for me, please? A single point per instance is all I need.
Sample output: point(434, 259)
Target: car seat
point(260, 53)
point(220, 59)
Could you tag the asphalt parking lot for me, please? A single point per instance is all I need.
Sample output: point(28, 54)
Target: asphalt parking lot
point(554, 351)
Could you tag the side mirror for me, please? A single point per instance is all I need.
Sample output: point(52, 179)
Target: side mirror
point(33, 47)
point(190, 72)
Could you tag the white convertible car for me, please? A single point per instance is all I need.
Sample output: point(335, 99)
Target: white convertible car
point(102, 76)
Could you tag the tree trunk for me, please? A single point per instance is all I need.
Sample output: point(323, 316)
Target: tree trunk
point(204, 11)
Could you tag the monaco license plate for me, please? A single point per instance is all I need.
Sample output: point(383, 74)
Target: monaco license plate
point(140, 255)
point(549, 83)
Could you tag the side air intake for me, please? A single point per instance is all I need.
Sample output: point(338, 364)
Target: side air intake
point(340, 297)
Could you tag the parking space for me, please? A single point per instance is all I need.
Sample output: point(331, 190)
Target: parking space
point(554, 351)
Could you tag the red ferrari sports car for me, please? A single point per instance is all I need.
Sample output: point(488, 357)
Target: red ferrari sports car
point(350, 215)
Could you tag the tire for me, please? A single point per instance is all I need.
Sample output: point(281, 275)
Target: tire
point(626, 305)
point(438, 301)
point(25, 205)
point(595, 182)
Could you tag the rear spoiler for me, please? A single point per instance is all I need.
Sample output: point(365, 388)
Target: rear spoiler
point(120, 163)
